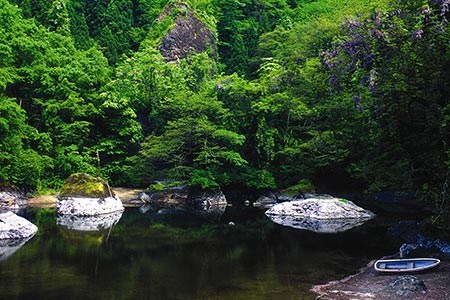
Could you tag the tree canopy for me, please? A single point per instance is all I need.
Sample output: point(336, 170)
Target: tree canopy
point(332, 94)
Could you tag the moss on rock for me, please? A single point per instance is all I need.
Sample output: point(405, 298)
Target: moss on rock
point(84, 185)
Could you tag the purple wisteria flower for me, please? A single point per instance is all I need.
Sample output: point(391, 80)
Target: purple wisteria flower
point(417, 35)
point(445, 7)
point(358, 104)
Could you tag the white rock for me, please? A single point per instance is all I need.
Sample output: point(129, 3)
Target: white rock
point(320, 208)
point(325, 215)
point(14, 227)
point(84, 206)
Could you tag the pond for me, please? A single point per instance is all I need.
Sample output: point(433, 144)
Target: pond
point(171, 255)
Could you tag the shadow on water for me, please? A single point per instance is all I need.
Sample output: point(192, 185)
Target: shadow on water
point(178, 254)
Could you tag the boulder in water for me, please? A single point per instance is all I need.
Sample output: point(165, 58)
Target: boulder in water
point(319, 214)
point(13, 226)
point(320, 208)
point(84, 195)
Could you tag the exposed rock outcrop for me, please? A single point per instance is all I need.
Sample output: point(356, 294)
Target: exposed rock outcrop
point(188, 36)
point(319, 214)
point(14, 227)
point(203, 203)
point(171, 197)
point(84, 195)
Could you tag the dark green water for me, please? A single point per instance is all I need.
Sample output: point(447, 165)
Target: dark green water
point(170, 256)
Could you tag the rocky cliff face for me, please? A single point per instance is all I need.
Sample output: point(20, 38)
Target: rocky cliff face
point(188, 36)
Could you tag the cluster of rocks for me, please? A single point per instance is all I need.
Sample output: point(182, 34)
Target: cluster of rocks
point(84, 203)
point(209, 204)
point(416, 244)
point(168, 198)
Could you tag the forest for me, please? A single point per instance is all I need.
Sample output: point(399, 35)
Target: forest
point(292, 94)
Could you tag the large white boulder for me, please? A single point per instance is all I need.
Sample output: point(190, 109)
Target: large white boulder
point(84, 206)
point(320, 208)
point(14, 227)
point(84, 195)
point(319, 214)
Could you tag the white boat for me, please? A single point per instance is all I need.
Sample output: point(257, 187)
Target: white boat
point(405, 265)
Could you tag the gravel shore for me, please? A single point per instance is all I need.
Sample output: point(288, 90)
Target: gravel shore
point(369, 285)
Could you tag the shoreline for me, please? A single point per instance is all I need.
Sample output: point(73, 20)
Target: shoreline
point(128, 196)
point(368, 284)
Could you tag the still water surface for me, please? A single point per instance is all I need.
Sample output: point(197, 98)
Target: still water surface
point(170, 255)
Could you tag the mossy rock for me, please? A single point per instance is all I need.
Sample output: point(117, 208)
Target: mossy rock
point(84, 185)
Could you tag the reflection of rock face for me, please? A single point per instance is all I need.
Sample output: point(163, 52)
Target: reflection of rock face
point(89, 223)
point(210, 212)
point(206, 199)
point(319, 214)
point(317, 225)
point(207, 204)
point(9, 246)
point(14, 227)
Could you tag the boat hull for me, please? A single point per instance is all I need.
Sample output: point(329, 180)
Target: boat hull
point(407, 265)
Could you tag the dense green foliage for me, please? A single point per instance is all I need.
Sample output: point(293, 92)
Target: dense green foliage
point(351, 93)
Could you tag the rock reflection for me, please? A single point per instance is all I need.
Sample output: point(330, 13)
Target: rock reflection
point(89, 223)
point(183, 216)
point(318, 225)
point(210, 212)
point(86, 233)
point(9, 246)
